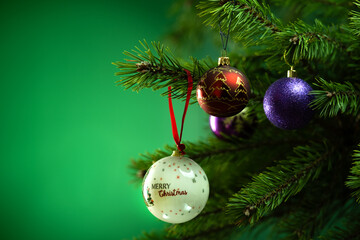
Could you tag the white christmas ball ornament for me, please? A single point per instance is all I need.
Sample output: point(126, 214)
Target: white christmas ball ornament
point(175, 189)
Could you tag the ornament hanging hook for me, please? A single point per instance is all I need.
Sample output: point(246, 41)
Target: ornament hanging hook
point(286, 61)
point(225, 37)
point(291, 72)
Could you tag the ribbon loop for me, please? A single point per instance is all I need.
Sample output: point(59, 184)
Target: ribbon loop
point(180, 146)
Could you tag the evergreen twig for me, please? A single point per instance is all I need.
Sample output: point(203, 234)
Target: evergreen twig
point(252, 19)
point(301, 41)
point(354, 179)
point(157, 68)
point(274, 186)
point(355, 19)
point(212, 224)
point(347, 226)
point(255, 13)
point(216, 149)
point(335, 98)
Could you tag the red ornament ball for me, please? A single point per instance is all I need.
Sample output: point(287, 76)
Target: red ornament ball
point(223, 91)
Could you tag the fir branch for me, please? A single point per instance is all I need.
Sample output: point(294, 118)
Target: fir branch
point(215, 149)
point(320, 219)
point(211, 223)
point(214, 226)
point(347, 225)
point(329, 11)
point(274, 186)
point(343, 3)
point(335, 98)
point(302, 41)
point(200, 151)
point(354, 179)
point(309, 213)
point(252, 23)
point(309, 218)
point(157, 68)
point(216, 211)
point(240, 148)
point(255, 13)
point(355, 19)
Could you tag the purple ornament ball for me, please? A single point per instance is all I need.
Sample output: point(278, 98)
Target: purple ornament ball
point(240, 125)
point(286, 103)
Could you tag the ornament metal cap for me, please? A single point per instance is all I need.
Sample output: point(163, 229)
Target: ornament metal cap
point(176, 153)
point(291, 72)
point(223, 61)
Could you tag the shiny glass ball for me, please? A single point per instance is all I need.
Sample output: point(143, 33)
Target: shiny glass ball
point(175, 189)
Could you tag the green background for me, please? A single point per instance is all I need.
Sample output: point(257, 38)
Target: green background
point(67, 132)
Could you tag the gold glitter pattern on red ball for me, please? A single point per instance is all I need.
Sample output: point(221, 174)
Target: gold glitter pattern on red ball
point(223, 91)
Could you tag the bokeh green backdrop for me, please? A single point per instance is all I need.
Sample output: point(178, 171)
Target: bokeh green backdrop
point(68, 132)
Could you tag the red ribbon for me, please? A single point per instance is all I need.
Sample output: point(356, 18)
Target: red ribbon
point(180, 146)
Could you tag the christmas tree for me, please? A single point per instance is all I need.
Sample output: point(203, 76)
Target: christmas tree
point(295, 184)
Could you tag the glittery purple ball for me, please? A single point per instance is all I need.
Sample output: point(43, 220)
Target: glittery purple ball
point(286, 103)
